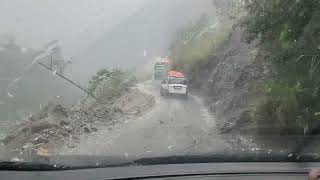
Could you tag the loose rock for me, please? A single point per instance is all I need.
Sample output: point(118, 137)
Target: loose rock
point(86, 130)
point(63, 123)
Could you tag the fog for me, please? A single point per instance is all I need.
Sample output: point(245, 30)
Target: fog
point(98, 33)
point(74, 22)
point(149, 29)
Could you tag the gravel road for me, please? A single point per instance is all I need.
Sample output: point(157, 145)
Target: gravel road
point(174, 126)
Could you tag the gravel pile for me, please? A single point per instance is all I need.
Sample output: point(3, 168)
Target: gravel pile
point(56, 126)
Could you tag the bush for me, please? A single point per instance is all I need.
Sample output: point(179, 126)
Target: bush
point(107, 85)
point(276, 117)
point(288, 110)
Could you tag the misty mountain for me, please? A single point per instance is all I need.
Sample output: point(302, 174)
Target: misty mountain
point(25, 86)
point(150, 29)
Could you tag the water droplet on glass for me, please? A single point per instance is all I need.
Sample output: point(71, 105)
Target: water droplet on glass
point(10, 95)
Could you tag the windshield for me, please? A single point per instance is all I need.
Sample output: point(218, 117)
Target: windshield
point(161, 66)
point(175, 80)
point(83, 78)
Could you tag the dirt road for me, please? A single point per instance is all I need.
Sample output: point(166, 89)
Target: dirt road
point(173, 126)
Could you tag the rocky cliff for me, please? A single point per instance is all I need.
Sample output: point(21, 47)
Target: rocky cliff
point(233, 82)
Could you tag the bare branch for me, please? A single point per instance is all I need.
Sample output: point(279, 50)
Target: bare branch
point(70, 81)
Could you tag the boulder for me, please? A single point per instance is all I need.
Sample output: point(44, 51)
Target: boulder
point(40, 140)
point(64, 123)
point(86, 129)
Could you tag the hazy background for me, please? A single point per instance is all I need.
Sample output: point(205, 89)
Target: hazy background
point(100, 32)
point(93, 34)
point(149, 28)
point(73, 22)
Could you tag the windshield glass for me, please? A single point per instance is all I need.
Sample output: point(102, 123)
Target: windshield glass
point(175, 80)
point(84, 78)
point(161, 66)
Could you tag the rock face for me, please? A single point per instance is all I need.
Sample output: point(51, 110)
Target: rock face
point(235, 83)
point(47, 133)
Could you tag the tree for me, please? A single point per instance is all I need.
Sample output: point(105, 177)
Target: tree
point(290, 31)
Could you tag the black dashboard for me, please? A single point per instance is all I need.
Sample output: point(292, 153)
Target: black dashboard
point(225, 171)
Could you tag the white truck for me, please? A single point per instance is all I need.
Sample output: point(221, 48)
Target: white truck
point(175, 84)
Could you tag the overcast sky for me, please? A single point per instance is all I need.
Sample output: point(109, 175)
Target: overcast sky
point(75, 23)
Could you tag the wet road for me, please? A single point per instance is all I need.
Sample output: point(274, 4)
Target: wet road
point(174, 126)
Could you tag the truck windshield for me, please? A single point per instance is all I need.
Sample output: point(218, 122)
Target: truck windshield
point(161, 66)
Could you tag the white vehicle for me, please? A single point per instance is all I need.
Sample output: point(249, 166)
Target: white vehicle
point(175, 83)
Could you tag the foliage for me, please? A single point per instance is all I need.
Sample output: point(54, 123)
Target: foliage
point(193, 44)
point(108, 84)
point(228, 8)
point(290, 31)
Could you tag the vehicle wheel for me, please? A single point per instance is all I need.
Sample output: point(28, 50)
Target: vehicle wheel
point(165, 93)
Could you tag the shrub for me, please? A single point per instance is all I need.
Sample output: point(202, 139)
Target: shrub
point(107, 85)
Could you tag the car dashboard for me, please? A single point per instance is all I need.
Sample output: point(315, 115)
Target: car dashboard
point(201, 171)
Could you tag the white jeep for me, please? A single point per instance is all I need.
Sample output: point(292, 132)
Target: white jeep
point(174, 85)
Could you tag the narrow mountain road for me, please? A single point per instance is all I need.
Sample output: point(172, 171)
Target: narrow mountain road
point(174, 126)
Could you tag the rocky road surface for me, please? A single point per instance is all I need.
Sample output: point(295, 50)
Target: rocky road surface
point(174, 126)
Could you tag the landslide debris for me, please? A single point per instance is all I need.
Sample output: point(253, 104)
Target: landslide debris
point(236, 83)
point(56, 124)
point(134, 102)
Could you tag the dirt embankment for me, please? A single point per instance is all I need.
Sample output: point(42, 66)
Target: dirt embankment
point(234, 82)
point(56, 125)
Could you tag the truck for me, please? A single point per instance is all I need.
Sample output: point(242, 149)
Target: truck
point(174, 84)
point(161, 68)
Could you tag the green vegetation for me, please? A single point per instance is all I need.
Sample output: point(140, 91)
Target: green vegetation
point(110, 84)
point(194, 43)
point(290, 31)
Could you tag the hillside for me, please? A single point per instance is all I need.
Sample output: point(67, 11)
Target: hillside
point(226, 70)
point(258, 73)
